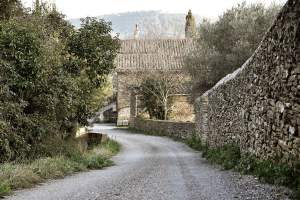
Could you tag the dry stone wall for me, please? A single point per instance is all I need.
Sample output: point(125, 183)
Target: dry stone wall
point(161, 127)
point(258, 106)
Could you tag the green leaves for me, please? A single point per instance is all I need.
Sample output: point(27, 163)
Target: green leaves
point(48, 73)
point(224, 45)
point(95, 47)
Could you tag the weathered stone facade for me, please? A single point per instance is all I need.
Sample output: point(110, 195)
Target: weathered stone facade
point(140, 57)
point(258, 106)
point(162, 127)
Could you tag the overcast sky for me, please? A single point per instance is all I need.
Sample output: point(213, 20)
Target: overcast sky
point(206, 8)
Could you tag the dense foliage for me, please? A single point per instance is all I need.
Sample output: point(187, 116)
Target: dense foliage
point(10, 8)
point(50, 74)
point(226, 44)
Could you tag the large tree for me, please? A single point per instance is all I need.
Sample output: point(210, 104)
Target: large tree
point(50, 74)
point(226, 44)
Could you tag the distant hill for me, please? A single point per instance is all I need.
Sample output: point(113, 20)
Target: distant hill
point(153, 24)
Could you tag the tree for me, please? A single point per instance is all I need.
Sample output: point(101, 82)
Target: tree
point(37, 8)
point(49, 75)
point(94, 45)
point(10, 8)
point(226, 44)
point(156, 90)
point(190, 25)
point(92, 51)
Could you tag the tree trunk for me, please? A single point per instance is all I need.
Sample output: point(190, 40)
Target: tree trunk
point(165, 109)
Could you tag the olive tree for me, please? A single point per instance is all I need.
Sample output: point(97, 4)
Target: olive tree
point(226, 44)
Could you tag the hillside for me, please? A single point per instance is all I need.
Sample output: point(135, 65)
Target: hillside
point(152, 24)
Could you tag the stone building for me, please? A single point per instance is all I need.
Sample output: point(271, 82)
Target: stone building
point(138, 57)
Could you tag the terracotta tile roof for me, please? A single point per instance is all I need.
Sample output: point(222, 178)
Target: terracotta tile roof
point(160, 54)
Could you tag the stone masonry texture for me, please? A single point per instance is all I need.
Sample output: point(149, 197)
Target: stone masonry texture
point(258, 106)
point(162, 127)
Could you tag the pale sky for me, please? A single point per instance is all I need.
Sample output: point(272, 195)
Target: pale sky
point(205, 8)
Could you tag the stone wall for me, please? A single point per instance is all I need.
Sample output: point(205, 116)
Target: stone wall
point(124, 81)
point(258, 106)
point(162, 127)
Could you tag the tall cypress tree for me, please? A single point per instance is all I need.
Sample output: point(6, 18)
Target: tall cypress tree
point(190, 25)
point(37, 7)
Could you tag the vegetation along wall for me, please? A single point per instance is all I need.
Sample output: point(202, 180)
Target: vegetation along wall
point(258, 106)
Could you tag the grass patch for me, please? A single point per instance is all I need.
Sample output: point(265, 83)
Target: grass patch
point(5, 189)
point(27, 174)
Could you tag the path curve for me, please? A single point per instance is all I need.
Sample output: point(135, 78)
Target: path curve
point(152, 168)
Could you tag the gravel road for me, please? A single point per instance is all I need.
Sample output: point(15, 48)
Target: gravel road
point(153, 168)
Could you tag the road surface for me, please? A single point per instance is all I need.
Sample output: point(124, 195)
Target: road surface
point(152, 168)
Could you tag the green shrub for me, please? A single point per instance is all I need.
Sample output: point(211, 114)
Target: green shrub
point(4, 189)
point(50, 80)
point(97, 162)
point(111, 145)
point(213, 155)
point(246, 164)
point(228, 156)
point(296, 194)
point(194, 141)
point(274, 173)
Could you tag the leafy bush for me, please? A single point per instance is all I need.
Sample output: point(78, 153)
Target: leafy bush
point(228, 156)
point(97, 162)
point(274, 173)
point(111, 145)
point(296, 194)
point(4, 189)
point(231, 156)
point(50, 74)
point(246, 164)
point(194, 141)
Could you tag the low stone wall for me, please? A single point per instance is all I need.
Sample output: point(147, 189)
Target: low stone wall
point(90, 140)
point(258, 106)
point(161, 127)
